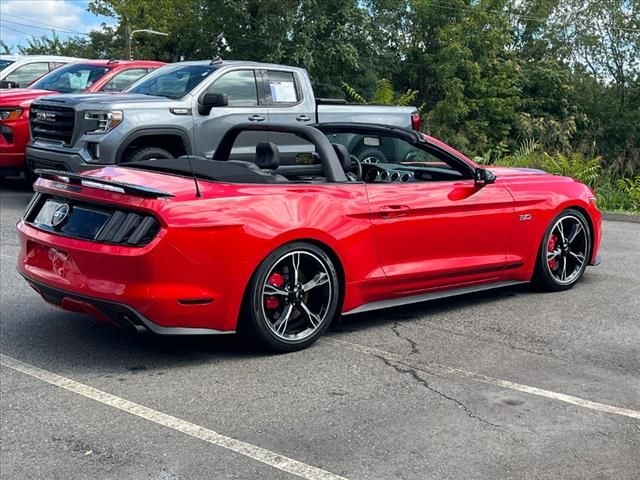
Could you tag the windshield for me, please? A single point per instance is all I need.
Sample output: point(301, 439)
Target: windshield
point(174, 81)
point(74, 78)
point(5, 63)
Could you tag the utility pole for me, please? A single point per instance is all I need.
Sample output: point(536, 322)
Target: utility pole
point(127, 42)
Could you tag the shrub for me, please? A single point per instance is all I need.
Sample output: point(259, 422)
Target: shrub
point(614, 193)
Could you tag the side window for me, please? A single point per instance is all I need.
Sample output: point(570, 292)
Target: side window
point(396, 154)
point(26, 74)
point(54, 65)
point(240, 87)
point(123, 79)
point(281, 88)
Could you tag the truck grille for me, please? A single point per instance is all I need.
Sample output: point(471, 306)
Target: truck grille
point(51, 122)
point(89, 221)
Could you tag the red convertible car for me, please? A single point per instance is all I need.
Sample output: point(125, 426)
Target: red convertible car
point(364, 217)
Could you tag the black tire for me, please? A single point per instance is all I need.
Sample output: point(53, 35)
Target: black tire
point(148, 153)
point(301, 325)
point(371, 155)
point(549, 268)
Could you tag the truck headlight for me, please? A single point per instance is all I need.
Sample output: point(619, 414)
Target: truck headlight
point(10, 113)
point(104, 121)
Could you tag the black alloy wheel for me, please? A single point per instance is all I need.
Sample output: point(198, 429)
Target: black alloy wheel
point(292, 298)
point(564, 253)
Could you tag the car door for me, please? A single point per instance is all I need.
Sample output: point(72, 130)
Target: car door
point(24, 75)
point(241, 87)
point(122, 79)
point(285, 96)
point(438, 229)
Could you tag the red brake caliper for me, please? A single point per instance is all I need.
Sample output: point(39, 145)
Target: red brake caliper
point(272, 302)
point(551, 246)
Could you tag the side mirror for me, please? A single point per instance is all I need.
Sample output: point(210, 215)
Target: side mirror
point(211, 100)
point(483, 177)
point(8, 84)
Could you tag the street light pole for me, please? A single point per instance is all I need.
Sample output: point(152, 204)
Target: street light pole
point(127, 42)
point(129, 38)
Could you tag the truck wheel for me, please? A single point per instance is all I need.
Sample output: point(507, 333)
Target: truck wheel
point(148, 153)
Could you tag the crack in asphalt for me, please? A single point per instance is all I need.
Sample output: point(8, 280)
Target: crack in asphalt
point(547, 354)
point(414, 345)
point(421, 381)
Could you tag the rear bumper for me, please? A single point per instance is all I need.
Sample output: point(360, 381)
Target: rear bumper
point(117, 313)
point(155, 287)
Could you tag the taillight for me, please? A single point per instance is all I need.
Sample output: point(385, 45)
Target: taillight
point(128, 229)
point(415, 121)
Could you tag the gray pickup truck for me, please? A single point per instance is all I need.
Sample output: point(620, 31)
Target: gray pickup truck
point(185, 108)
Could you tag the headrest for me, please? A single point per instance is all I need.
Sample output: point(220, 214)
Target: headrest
point(343, 156)
point(267, 156)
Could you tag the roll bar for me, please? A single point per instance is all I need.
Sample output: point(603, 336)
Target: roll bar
point(332, 169)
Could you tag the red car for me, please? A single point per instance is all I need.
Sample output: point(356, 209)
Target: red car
point(199, 246)
point(88, 76)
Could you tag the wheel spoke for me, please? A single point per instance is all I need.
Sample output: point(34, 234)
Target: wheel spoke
point(295, 264)
point(271, 290)
point(320, 279)
point(561, 231)
point(578, 256)
point(552, 255)
point(563, 276)
point(281, 324)
point(313, 318)
point(574, 233)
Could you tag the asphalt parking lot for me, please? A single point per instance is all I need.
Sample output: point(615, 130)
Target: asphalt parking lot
point(496, 385)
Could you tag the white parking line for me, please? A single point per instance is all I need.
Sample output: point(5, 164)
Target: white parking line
point(267, 457)
point(435, 368)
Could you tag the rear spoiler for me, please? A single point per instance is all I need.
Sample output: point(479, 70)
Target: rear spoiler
point(101, 183)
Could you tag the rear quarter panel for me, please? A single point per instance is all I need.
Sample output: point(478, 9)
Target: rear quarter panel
point(243, 224)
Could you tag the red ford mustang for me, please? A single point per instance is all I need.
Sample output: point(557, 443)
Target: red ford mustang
point(362, 217)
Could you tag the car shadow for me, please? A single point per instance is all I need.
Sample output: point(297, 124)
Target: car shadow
point(426, 310)
point(15, 184)
point(75, 344)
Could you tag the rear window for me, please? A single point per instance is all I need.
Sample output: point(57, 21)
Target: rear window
point(173, 81)
point(74, 78)
point(281, 87)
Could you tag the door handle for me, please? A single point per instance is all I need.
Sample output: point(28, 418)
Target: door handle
point(303, 118)
point(394, 211)
point(256, 118)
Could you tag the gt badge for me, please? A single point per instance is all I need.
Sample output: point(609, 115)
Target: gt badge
point(525, 217)
point(60, 214)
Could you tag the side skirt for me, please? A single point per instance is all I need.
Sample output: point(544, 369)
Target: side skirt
point(396, 302)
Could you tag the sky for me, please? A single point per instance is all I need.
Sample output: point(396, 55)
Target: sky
point(20, 19)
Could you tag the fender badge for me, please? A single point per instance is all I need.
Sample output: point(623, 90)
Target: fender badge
point(525, 217)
